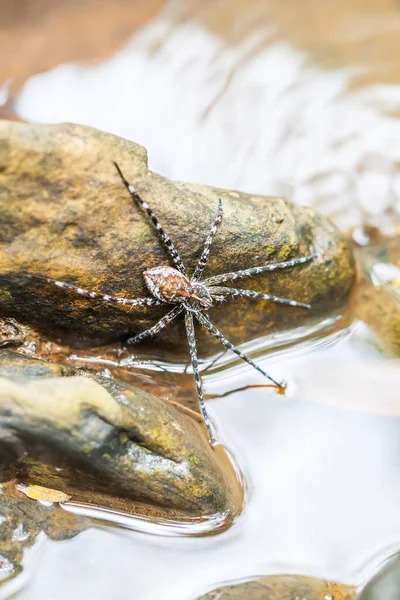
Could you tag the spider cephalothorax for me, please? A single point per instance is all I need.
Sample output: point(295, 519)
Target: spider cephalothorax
point(192, 296)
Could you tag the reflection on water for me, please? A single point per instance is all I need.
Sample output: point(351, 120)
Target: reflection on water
point(323, 485)
point(149, 525)
point(261, 115)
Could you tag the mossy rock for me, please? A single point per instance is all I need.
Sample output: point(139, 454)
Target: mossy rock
point(106, 442)
point(64, 214)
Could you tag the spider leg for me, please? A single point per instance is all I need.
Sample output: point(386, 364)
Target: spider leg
point(148, 301)
point(165, 238)
point(206, 323)
point(195, 366)
point(217, 279)
point(161, 324)
point(222, 292)
point(206, 251)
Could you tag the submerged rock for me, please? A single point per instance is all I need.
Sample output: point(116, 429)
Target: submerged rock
point(21, 522)
point(81, 434)
point(65, 215)
point(377, 301)
point(283, 587)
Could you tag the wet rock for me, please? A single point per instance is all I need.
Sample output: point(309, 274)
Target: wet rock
point(85, 433)
point(21, 521)
point(385, 585)
point(283, 587)
point(10, 333)
point(17, 367)
point(65, 214)
point(377, 301)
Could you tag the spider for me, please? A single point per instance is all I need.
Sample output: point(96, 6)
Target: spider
point(192, 296)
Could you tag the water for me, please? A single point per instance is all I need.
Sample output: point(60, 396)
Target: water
point(322, 489)
point(259, 97)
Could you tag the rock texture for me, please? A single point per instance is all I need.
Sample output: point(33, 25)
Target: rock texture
point(377, 301)
point(65, 214)
point(283, 587)
point(82, 434)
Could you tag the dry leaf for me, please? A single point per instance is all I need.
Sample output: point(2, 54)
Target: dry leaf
point(38, 492)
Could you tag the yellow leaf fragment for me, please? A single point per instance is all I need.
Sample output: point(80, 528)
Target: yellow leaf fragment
point(38, 492)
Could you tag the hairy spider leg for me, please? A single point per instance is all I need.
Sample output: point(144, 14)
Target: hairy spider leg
point(195, 366)
point(148, 301)
point(222, 292)
point(217, 279)
point(206, 251)
point(165, 238)
point(161, 324)
point(206, 323)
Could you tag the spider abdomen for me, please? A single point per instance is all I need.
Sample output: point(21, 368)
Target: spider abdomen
point(168, 284)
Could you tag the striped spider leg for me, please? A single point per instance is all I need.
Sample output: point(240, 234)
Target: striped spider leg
point(222, 293)
point(217, 279)
point(172, 251)
point(194, 296)
point(191, 296)
point(147, 301)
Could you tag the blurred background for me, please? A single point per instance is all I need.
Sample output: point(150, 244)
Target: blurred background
point(268, 96)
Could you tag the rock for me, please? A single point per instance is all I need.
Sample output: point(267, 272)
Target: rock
point(84, 433)
point(283, 587)
point(377, 301)
point(17, 367)
point(10, 333)
point(385, 585)
point(65, 214)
